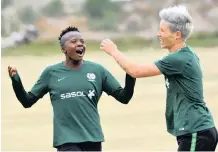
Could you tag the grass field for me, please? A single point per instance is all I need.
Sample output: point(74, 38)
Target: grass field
point(138, 126)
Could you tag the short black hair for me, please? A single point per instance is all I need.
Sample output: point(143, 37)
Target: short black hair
point(66, 30)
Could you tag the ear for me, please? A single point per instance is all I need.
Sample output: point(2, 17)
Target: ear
point(63, 50)
point(178, 35)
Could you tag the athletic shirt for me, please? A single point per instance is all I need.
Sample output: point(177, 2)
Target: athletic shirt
point(74, 97)
point(186, 110)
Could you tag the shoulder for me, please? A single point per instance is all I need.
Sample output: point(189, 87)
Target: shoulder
point(48, 68)
point(91, 63)
point(182, 56)
point(186, 55)
point(95, 65)
point(55, 65)
point(98, 68)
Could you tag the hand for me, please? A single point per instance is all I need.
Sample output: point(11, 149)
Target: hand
point(108, 46)
point(12, 71)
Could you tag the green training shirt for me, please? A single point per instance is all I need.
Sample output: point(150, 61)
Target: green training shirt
point(74, 96)
point(186, 111)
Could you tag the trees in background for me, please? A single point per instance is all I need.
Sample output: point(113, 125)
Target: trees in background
point(6, 3)
point(102, 14)
point(28, 15)
point(54, 8)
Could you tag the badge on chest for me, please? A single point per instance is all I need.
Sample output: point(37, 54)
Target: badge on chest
point(91, 77)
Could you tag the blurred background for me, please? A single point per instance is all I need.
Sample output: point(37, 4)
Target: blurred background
point(29, 42)
point(24, 21)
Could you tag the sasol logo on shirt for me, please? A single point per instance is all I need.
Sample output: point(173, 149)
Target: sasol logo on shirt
point(72, 95)
point(91, 94)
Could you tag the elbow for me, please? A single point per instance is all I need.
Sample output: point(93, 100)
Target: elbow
point(134, 72)
point(26, 105)
point(27, 102)
point(134, 75)
point(126, 100)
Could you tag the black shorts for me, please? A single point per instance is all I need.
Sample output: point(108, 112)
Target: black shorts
point(205, 140)
point(85, 146)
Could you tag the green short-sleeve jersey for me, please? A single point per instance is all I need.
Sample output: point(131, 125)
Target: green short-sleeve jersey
point(74, 96)
point(186, 111)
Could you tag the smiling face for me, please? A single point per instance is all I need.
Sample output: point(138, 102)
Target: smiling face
point(73, 45)
point(167, 38)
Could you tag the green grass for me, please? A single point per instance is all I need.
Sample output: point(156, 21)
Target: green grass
point(36, 48)
point(204, 40)
point(52, 47)
point(124, 44)
point(40, 48)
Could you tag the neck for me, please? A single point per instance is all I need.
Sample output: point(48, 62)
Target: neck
point(73, 64)
point(177, 46)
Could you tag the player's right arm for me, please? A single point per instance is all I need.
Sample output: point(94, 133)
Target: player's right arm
point(27, 99)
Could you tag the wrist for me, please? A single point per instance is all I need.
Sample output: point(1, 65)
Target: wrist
point(114, 53)
point(16, 77)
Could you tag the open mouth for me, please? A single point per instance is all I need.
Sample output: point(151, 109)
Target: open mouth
point(80, 52)
point(161, 41)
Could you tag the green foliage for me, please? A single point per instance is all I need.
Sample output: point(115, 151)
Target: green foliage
point(36, 48)
point(3, 32)
point(55, 8)
point(6, 3)
point(102, 14)
point(14, 26)
point(95, 9)
point(28, 15)
point(204, 39)
point(106, 24)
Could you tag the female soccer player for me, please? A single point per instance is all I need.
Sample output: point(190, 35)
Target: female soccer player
point(187, 116)
point(75, 87)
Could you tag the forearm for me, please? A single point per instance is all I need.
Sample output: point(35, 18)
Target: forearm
point(127, 65)
point(133, 69)
point(26, 99)
point(125, 94)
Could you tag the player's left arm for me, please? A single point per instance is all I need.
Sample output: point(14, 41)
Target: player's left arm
point(113, 88)
point(124, 95)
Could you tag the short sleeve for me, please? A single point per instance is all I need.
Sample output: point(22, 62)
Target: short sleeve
point(40, 88)
point(109, 84)
point(171, 65)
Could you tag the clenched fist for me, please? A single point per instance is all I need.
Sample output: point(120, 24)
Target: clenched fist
point(12, 71)
point(108, 46)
